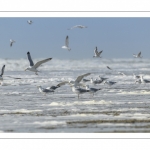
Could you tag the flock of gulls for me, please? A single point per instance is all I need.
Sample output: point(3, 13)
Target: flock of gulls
point(77, 86)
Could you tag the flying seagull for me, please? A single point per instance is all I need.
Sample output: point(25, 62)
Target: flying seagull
point(11, 42)
point(97, 54)
point(2, 72)
point(109, 68)
point(78, 26)
point(138, 55)
point(66, 44)
point(30, 22)
point(33, 67)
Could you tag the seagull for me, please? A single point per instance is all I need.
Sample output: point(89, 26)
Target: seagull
point(96, 81)
point(11, 42)
point(138, 81)
point(78, 80)
point(109, 82)
point(33, 67)
point(136, 76)
point(30, 22)
point(2, 72)
point(109, 68)
point(57, 86)
point(42, 90)
point(97, 54)
point(85, 80)
point(66, 44)
point(121, 73)
point(78, 26)
point(79, 90)
point(144, 80)
point(138, 55)
point(101, 78)
point(92, 90)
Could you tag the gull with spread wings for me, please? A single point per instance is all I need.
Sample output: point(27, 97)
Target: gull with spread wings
point(66, 44)
point(33, 67)
point(138, 55)
point(78, 26)
point(97, 54)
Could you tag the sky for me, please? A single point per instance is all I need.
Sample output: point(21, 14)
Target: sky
point(118, 37)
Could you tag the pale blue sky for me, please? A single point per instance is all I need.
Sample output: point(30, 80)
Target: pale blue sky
point(117, 37)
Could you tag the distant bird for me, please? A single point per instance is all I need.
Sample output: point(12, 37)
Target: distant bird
point(66, 44)
point(121, 73)
point(11, 42)
point(138, 55)
point(78, 26)
point(144, 80)
point(138, 81)
point(97, 54)
point(109, 68)
point(45, 91)
point(30, 22)
point(2, 72)
point(92, 90)
point(103, 79)
point(136, 76)
point(78, 90)
point(96, 81)
point(85, 80)
point(109, 82)
point(33, 67)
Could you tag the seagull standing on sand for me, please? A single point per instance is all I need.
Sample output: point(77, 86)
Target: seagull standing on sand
point(11, 42)
point(42, 90)
point(138, 55)
point(97, 54)
point(78, 26)
point(109, 83)
point(96, 81)
point(92, 90)
point(66, 44)
point(79, 90)
point(144, 80)
point(33, 67)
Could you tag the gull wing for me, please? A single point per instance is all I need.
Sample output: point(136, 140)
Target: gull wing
point(2, 71)
point(67, 41)
point(79, 78)
point(100, 52)
point(62, 83)
point(30, 59)
point(139, 54)
point(41, 62)
point(96, 52)
point(11, 43)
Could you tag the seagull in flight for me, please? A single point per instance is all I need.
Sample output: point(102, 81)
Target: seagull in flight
point(78, 26)
point(109, 68)
point(30, 22)
point(2, 72)
point(97, 54)
point(138, 55)
point(11, 42)
point(33, 67)
point(66, 44)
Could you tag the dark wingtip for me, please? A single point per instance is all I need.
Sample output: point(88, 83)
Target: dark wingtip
point(28, 52)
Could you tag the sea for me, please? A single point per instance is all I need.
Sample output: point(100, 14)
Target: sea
point(121, 108)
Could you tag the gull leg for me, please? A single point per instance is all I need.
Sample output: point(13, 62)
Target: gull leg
point(78, 96)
